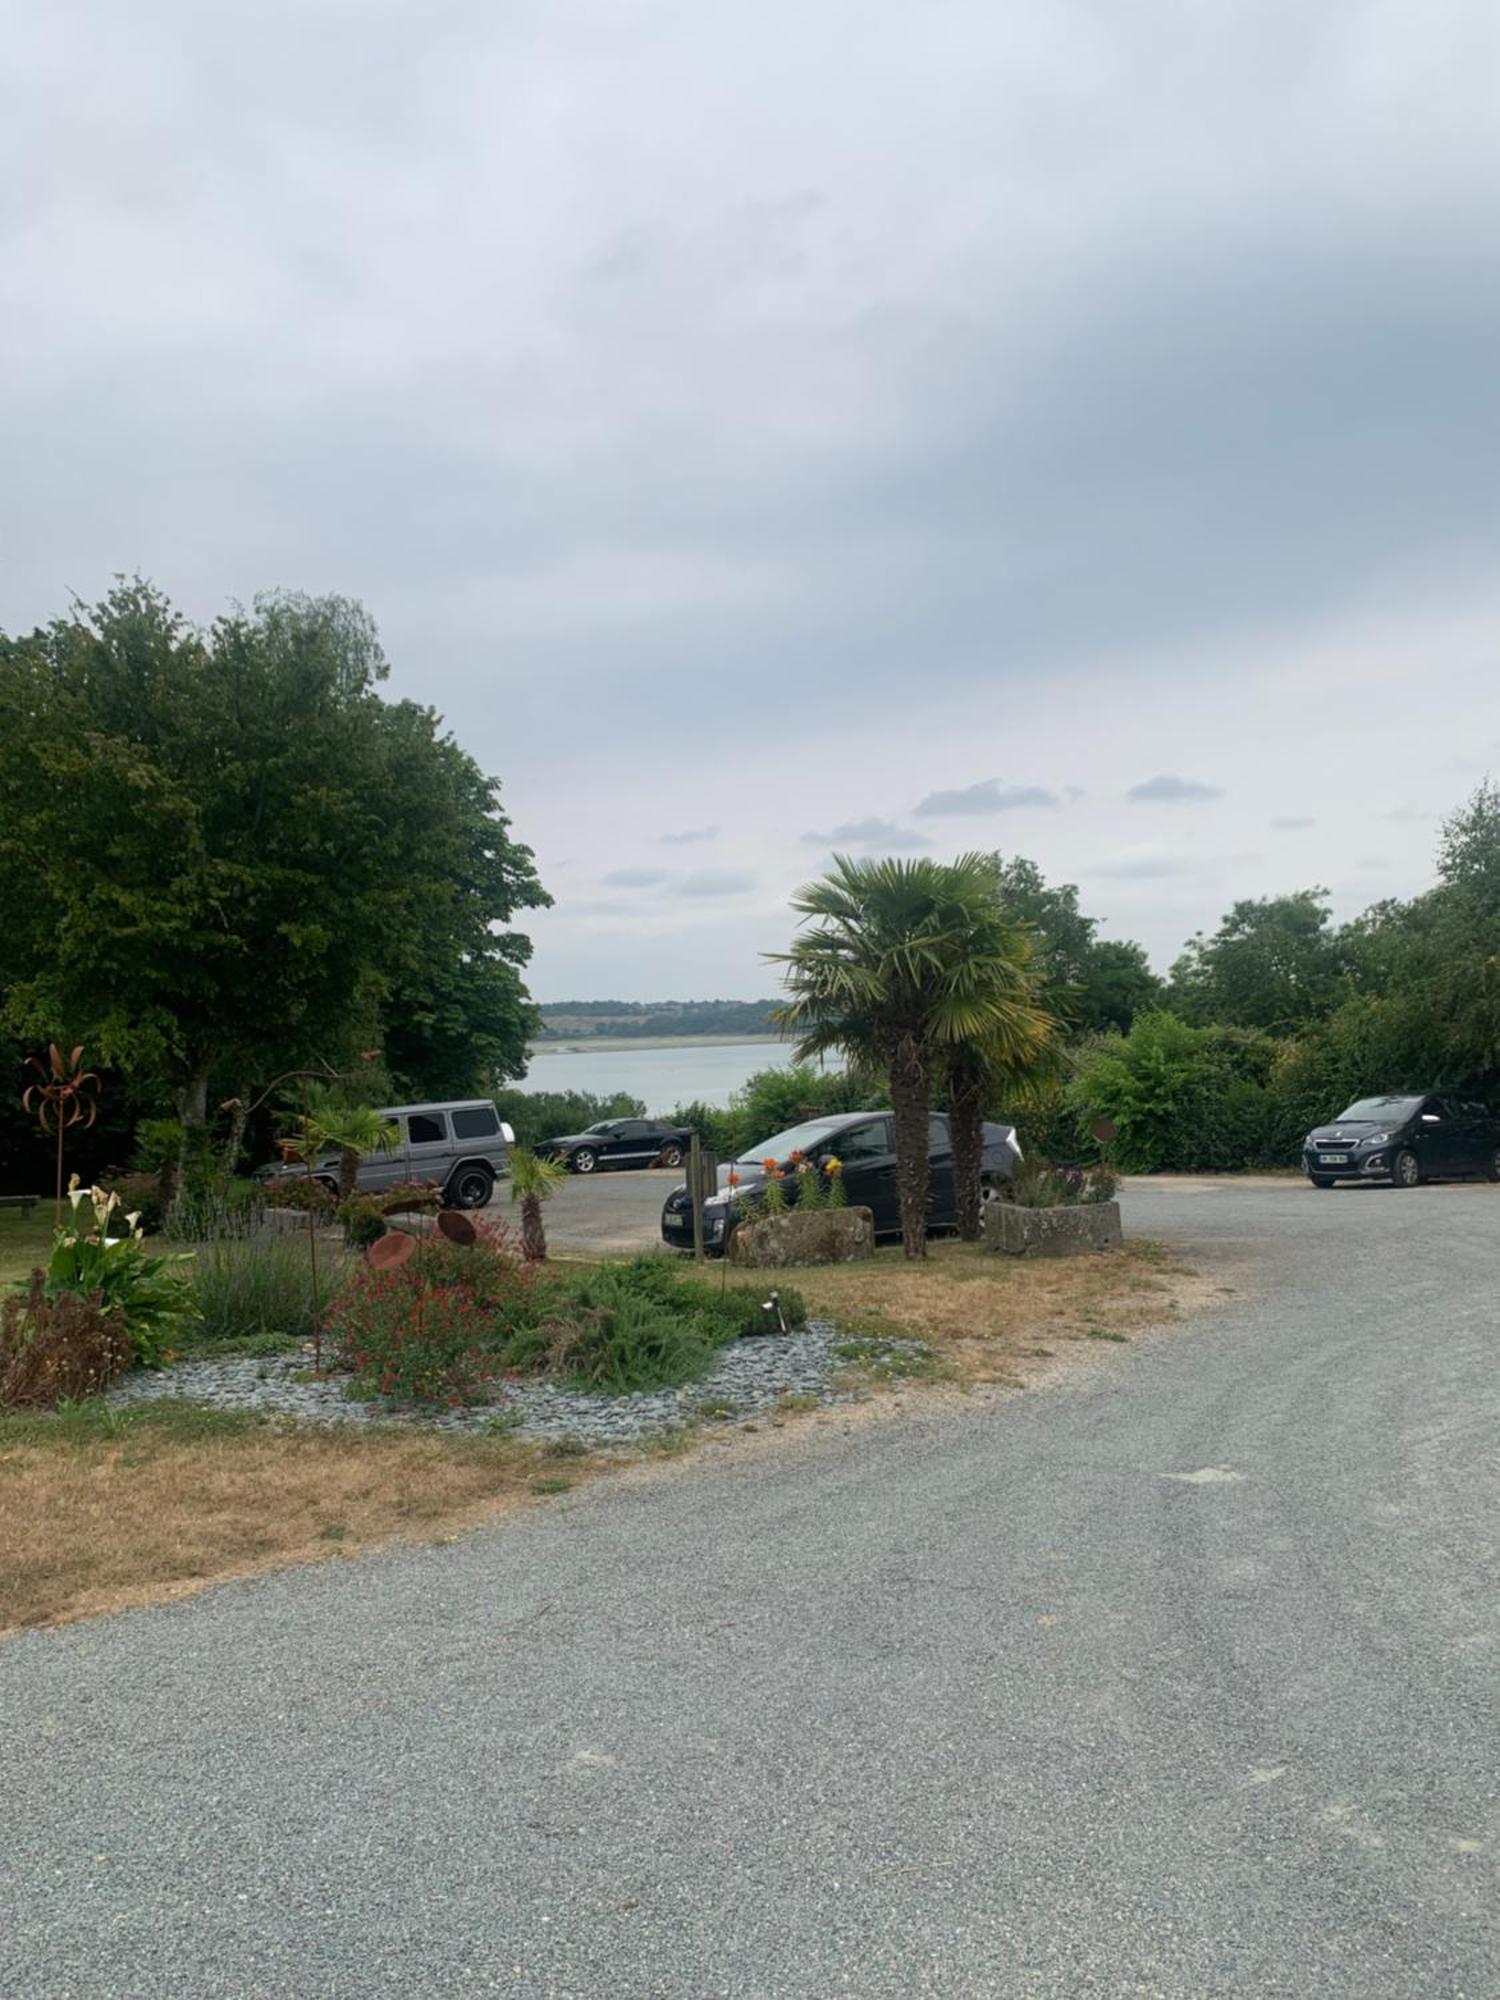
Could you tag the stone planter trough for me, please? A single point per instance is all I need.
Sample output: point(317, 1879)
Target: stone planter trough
point(1015, 1231)
point(823, 1236)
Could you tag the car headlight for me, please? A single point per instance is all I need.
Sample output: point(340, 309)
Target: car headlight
point(1377, 1139)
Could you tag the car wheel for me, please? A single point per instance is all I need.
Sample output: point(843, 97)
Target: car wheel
point(1320, 1180)
point(1406, 1170)
point(671, 1156)
point(470, 1188)
point(583, 1161)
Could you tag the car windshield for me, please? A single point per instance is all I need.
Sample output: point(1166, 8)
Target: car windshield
point(1379, 1111)
point(600, 1131)
point(795, 1139)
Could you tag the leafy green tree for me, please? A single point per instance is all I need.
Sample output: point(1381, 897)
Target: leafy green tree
point(1274, 963)
point(223, 855)
point(1093, 983)
point(1182, 1098)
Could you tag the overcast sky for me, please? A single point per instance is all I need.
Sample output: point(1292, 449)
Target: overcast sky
point(1067, 427)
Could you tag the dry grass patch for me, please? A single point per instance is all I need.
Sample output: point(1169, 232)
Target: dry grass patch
point(982, 1314)
point(100, 1509)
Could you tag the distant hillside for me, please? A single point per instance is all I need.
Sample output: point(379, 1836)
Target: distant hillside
point(573, 1020)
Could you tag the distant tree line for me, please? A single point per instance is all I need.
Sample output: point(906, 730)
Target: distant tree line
point(575, 1020)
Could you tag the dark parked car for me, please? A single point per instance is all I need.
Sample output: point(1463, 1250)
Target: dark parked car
point(1426, 1136)
point(864, 1143)
point(621, 1142)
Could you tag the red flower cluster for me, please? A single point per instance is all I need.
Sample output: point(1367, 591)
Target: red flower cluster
point(437, 1329)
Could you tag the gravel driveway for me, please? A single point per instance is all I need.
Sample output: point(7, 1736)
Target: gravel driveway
point(1181, 1681)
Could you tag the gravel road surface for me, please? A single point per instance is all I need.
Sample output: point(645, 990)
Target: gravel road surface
point(1182, 1680)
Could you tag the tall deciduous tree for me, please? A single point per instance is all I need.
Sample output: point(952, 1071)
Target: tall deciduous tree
point(1273, 963)
point(1093, 983)
point(223, 854)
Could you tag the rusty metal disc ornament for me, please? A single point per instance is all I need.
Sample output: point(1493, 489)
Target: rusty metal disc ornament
point(389, 1253)
point(1105, 1130)
point(456, 1226)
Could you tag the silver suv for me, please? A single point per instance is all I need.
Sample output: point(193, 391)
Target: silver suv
point(464, 1147)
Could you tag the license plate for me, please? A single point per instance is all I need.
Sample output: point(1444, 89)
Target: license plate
point(674, 1222)
point(1333, 1159)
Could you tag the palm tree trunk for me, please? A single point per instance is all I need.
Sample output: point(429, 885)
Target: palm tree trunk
point(910, 1102)
point(966, 1127)
point(348, 1173)
point(533, 1230)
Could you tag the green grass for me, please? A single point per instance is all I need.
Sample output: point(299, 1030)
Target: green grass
point(168, 1418)
point(24, 1243)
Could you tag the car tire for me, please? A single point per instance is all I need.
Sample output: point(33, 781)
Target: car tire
point(470, 1187)
point(1406, 1169)
point(671, 1156)
point(583, 1161)
point(1320, 1180)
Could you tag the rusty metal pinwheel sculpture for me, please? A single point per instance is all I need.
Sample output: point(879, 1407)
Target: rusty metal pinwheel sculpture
point(66, 1096)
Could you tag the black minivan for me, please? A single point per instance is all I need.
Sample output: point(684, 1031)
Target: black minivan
point(1427, 1136)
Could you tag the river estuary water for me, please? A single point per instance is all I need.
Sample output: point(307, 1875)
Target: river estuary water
point(708, 1072)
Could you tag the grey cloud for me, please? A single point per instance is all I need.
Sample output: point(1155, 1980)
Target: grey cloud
point(1168, 789)
point(1139, 868)
point(635, 878)
point(716, 882)
point(689, 836)
point(1410, 814)
point(1291, 822)
point(869, 833)
point(989, 796)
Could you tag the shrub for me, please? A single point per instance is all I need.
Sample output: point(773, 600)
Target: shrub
point(101, 1257)
point(410, 1198)
point(415, 1343)
point(640, 1325)
point(363, 1217)
point(68, 1346)
point(1183, 1099)
point(253, 1284)
point(301, 1193)
point(439, 1328)
point(140, 1194)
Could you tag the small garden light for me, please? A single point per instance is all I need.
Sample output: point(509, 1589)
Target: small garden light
point(773, 1305)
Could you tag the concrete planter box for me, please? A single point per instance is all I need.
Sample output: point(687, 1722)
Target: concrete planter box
point(1015, 1231)
point(824, 1236)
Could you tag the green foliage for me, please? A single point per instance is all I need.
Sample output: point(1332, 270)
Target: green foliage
point(641, 1325)
point(1272, 964)
point(253, 1286)
point(1182, 1098)
point(140, 1194)
point(1093, 984)
point(536, 1115)
point(440, 1328)
point(363, 1217)
point(223, 851)
point(99, 1255)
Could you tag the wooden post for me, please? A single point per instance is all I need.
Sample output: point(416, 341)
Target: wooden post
point(695, 1190)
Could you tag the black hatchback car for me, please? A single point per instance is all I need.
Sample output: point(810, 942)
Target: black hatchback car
point(865, 1145)
point(1427, 1136)
point(620, 1142)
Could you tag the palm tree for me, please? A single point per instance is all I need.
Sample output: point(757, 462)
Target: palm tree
point(534, 1180)
point(998, 967)
point(896, 967)
point(334, 1123)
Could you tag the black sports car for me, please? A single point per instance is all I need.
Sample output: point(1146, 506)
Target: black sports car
point(865, 1145)
point(1425, 1136)
point(621, 1142)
